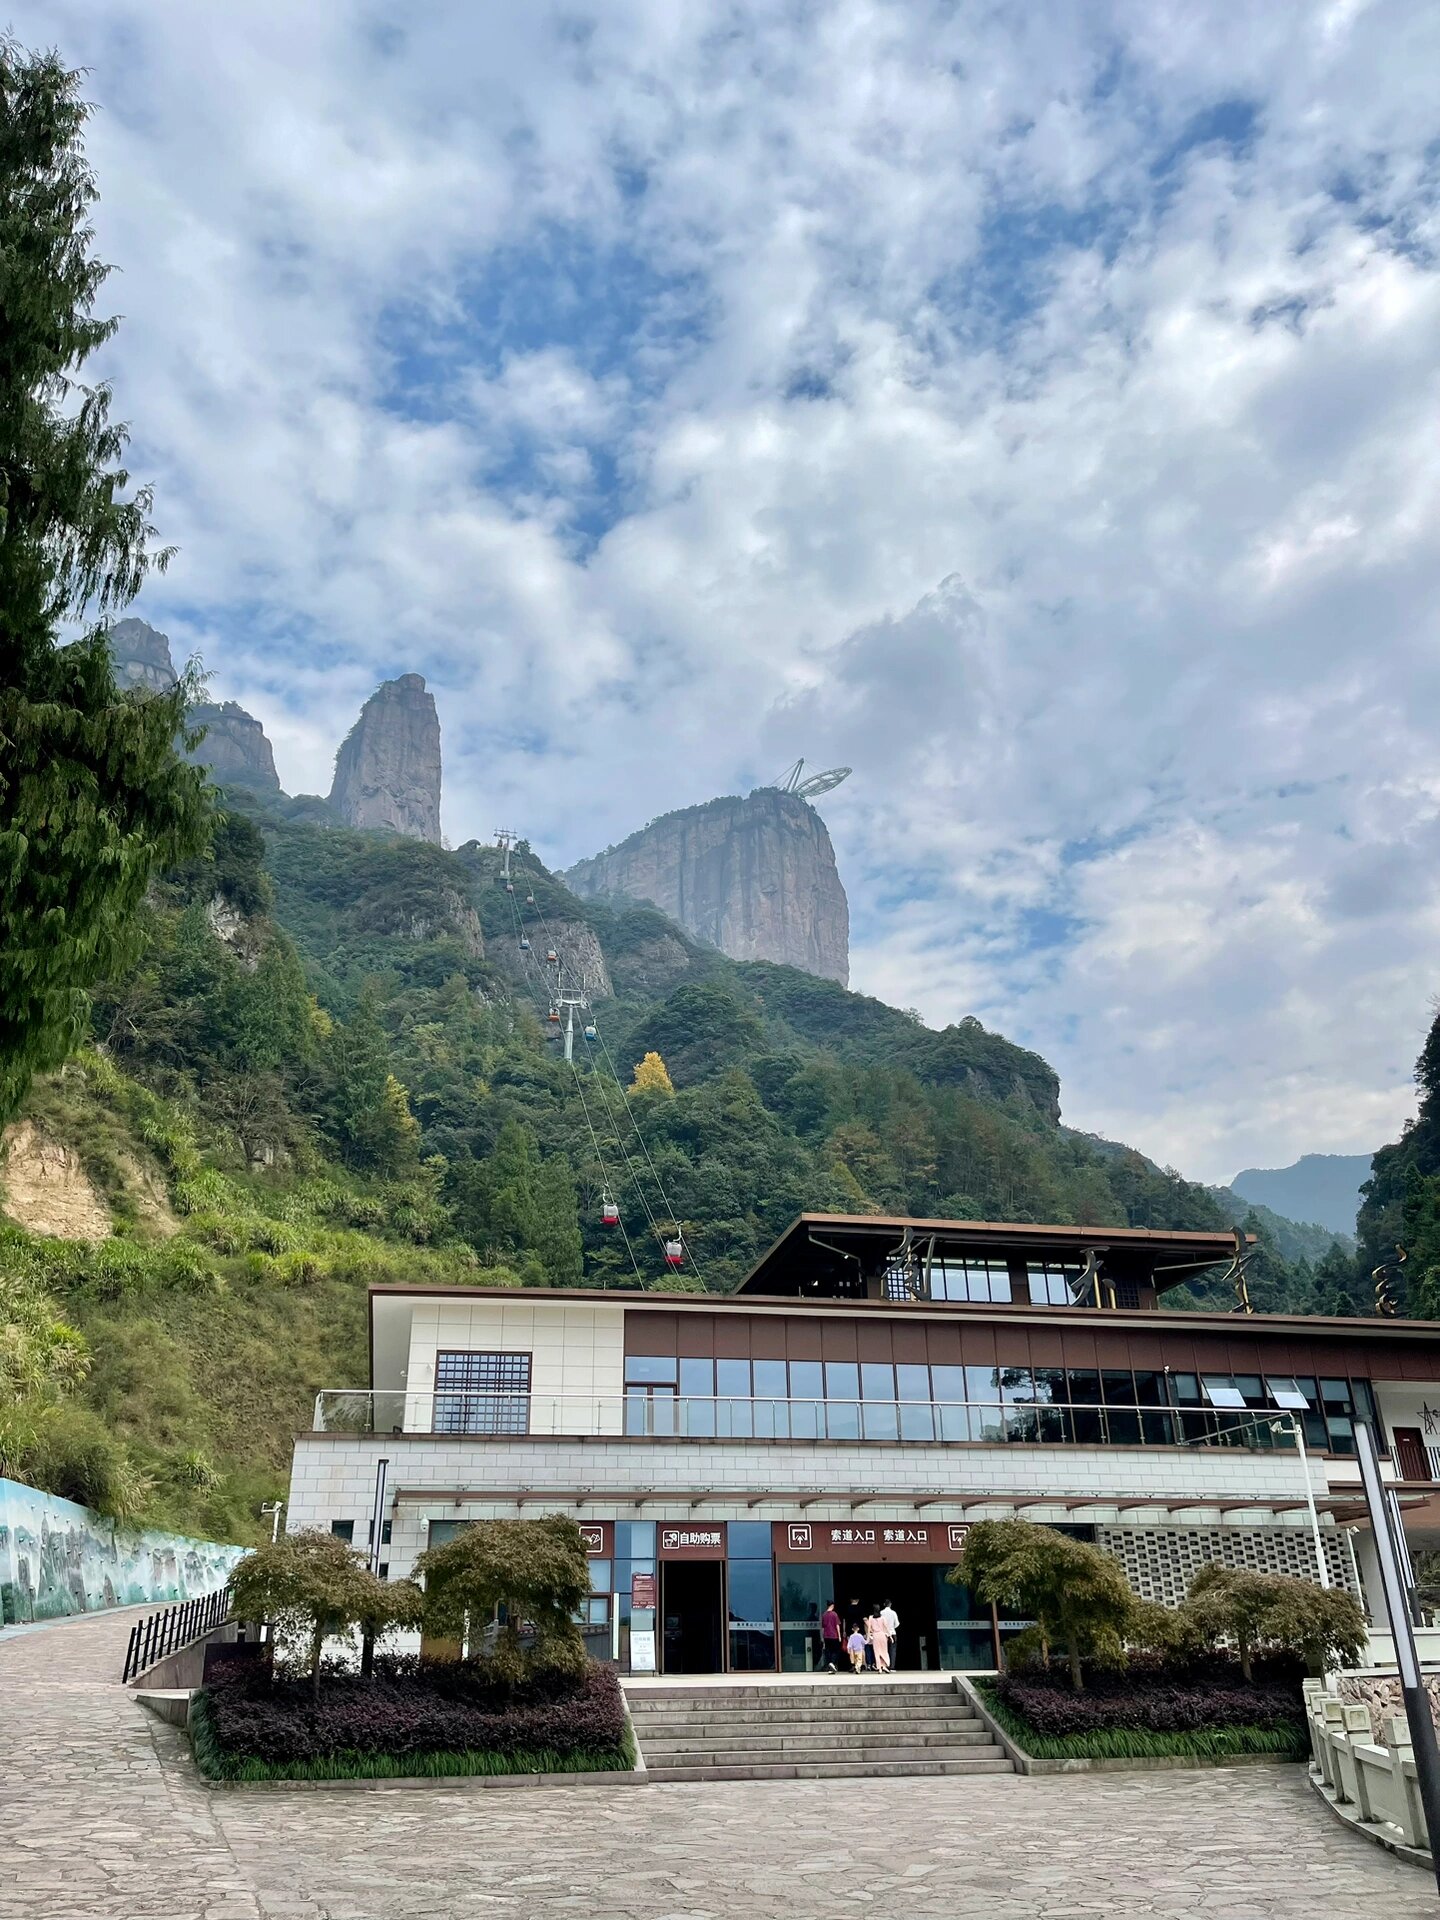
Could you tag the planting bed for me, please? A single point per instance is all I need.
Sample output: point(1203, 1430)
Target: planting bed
point(1151, 1711)
point(411, 1720)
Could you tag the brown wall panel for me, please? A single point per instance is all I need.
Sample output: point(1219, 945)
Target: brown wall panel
point(650, 1333)
point(802, 1338)
point(767, 1338)
point(694, 1334)
point(977, 1346)
point(1012, 1347)
point(908, 1338)
point(838, 1340)
point(874, 1340)
point(732, 1335)
point(1079, 1347)
point(942, 1343)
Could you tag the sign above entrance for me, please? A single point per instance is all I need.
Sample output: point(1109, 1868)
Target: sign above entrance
point(692, 1542)
point(599, 1538)
point(869, 1540)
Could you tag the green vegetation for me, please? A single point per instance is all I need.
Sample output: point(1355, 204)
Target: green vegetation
point(328, 1067)
point(94, 796)
point(216, 1763)
point(1084, 1609)
point(1284, 1742)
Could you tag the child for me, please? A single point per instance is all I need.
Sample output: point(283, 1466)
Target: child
point(855, 1647)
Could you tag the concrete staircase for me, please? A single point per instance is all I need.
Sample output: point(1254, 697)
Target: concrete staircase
point(821, 1730)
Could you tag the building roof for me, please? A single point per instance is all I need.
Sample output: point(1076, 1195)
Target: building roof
point(1160, 1256)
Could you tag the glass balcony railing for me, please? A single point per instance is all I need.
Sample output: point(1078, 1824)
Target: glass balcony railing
point(646, 1414)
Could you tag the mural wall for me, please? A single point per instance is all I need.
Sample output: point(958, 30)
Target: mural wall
point(58, 1558)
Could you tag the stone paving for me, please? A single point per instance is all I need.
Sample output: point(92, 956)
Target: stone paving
point(100, 1816)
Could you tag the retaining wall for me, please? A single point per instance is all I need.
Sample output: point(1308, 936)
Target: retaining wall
point(58, 1558)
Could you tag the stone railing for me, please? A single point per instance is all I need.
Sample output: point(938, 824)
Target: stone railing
point(1369, 1782)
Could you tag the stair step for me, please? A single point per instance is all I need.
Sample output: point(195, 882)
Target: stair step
point(815, 1770)
point(706, 1752)
point(782, 1744)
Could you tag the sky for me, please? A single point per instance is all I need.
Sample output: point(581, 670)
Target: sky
point(1034, 408)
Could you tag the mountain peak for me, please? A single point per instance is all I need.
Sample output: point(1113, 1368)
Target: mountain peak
point(387, 772)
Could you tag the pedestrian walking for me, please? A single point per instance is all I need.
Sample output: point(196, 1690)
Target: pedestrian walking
point(892, 1627)
point(831, 1634)
point(869, 1631)
point(880, 1641)
point(855, 1646)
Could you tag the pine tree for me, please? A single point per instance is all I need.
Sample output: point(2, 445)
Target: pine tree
point(94, 797)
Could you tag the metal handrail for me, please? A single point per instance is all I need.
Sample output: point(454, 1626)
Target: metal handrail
point(166, 1632)
point(639, 1413)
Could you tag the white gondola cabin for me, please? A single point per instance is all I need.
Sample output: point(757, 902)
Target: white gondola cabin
point(609, 1214)
point(675, 1253)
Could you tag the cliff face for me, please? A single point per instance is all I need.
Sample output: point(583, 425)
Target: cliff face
point(387, 773)
point(235, 748)
point(141, 656)
point(754, 877)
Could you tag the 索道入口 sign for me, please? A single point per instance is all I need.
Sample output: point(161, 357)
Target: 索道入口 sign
point(826, 1540)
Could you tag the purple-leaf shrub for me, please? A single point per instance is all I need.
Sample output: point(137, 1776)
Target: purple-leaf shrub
point(439, 1709)
point(1156, 1698)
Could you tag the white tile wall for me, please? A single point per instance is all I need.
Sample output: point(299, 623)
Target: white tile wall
point(577, 1354)
point(334, 1479)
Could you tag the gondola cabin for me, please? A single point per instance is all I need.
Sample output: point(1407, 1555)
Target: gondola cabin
point(609, 1214)
point(674, 1253)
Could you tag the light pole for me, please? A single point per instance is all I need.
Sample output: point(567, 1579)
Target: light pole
point(274, 1508)
point(1290, 1423)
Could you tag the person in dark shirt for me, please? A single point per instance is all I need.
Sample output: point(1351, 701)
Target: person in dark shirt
point(830, 1633)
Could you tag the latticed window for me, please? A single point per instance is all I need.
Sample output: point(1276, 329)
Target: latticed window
point(482, 1393)
point(978, 1280)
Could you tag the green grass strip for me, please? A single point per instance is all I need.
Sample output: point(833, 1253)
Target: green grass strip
point(217, 1763)
point(1140, 1743)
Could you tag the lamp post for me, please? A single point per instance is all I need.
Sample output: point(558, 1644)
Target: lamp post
point(1389, 1552)
point(274, 1508)
point(1299, 1432)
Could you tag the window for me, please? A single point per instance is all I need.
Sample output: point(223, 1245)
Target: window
point(343, 1530)
point(650, 1393)
point(1053, 1286)
point(697, 1397)
point(482, 1393)
point(842, 1398)
point(1339, 1410)
point(978, 1280)
point(734, 1414)
point(877, 1387)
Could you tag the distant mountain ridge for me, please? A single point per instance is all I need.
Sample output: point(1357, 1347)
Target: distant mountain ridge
point(1319, 1187)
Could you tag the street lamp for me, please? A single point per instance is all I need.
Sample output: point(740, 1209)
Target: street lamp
point(1289, 1422)
point(274, 1508)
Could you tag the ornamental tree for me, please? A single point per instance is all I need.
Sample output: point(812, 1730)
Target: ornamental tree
point(94, 796)
point(1274, 1613)
point(536, 1571)
point(1077, 1596)
point(311, 1585)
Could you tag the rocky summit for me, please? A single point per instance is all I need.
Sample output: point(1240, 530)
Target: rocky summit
point(755, 877)
point(235, 748)
point(142, 657)
point(387, 772)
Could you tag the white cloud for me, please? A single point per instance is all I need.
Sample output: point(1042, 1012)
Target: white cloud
point(682, 389)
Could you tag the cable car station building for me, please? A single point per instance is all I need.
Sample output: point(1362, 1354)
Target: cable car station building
point(873, 1388)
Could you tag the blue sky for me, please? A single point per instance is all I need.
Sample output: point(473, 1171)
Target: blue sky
point(1034, 408)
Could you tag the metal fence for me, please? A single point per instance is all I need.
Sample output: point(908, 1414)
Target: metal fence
point(175, 1627)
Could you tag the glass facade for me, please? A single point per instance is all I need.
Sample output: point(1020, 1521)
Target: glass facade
point(750, 1596)
point(1058, 1406)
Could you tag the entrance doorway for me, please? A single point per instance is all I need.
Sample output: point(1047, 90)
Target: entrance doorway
point(910, 1588)
point(1410, 1454)
point(691, 1605)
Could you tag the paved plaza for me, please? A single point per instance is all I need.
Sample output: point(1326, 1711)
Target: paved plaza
point(100, 1816)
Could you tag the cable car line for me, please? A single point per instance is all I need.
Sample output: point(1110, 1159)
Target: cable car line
point(610, 1212)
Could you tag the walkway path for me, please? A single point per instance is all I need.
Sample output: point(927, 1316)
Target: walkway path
point(94, 1827)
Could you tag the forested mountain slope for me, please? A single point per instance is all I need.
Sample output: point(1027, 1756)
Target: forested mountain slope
point(334, 1064)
